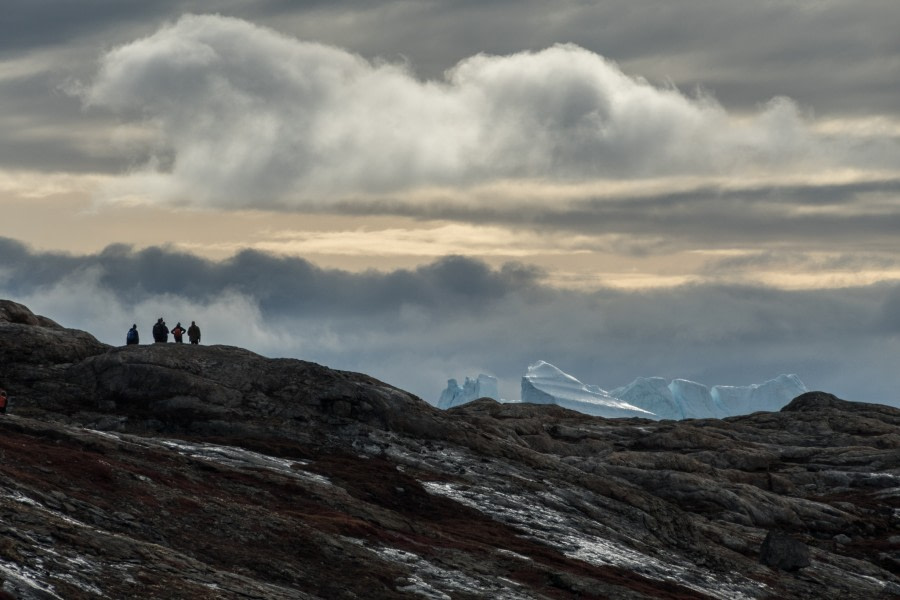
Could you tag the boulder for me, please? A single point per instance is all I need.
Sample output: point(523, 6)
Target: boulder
point(781, 551)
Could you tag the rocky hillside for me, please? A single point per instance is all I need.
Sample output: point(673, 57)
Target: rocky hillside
point(178, 471)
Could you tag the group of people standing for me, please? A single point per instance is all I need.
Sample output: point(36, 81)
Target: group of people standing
point(161, 333)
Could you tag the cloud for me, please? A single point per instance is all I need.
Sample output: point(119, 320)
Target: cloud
point(279, 285)
point(823, 213)
point(838, 59)
point(454, 317)
point(250, 117)
point(28, 25)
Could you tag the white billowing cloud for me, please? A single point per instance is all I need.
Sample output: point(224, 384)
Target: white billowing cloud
point(246, 116)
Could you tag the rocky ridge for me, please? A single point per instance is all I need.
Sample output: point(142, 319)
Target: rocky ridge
point(178, 471)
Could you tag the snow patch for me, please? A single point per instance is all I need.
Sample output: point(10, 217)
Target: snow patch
point(233, 457)
point(430, 581)
point(538, 521)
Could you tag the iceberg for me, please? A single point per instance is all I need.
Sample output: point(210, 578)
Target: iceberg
point(685, 399)
point(647, 397)
point(695, 400)
point(483, 386)
point(546, 384)
point(652, 394)
point(770, 396)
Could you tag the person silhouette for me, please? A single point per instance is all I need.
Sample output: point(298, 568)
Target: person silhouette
point(177, 332)
point(160, 331)
point(194, 333)
point(132, 337)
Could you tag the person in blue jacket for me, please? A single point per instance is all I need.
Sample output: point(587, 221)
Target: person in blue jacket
point(132, 337)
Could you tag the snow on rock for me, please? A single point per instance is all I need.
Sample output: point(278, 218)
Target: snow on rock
point(483, 386)
point(546, 384)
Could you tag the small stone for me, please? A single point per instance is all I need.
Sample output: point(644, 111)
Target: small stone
point(781, 551)
point(842, 539)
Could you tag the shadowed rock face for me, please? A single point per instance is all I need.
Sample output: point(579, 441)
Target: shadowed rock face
point(178, 471)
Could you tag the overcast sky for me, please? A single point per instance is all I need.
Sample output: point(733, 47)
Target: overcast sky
point(421, 190)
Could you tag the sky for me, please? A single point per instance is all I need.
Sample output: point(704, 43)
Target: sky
point(422, 190)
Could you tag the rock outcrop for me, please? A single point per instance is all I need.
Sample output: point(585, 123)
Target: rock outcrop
point(178, 471)
point(783, 552)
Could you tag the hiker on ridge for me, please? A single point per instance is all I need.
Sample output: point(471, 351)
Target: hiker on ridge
point(160, 332)
point(194, 333)
point(132, 337)
point(177, 332)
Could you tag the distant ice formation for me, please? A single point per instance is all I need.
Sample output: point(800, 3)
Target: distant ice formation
point(483, 386)
point(648, 397)
point(683, 399)
point(545, 384)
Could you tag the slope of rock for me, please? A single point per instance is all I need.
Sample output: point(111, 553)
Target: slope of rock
point(170, 471)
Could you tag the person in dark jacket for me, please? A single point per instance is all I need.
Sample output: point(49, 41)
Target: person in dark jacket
point(194, 333)
point(132, 337)
point(3, 401)
point(177, 332)
point(160, 332)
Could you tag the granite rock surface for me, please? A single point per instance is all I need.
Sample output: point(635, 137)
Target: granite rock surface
point(201, 472)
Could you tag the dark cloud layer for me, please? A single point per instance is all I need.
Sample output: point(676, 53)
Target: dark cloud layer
point(282, 286)
point(456, 316)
